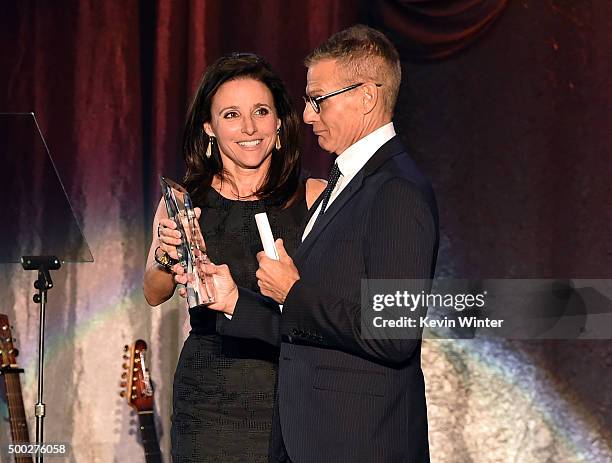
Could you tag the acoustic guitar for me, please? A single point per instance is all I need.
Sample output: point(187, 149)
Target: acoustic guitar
point(9, 370)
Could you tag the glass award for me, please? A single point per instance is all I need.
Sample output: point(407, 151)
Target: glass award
point(192, 251)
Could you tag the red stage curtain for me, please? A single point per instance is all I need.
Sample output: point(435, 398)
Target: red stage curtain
point(431, 29)
point(110, 82)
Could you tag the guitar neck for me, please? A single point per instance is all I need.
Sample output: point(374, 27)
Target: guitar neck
point(17, 417)
point(149, 437)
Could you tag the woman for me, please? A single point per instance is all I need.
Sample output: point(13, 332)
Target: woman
point(241, 150)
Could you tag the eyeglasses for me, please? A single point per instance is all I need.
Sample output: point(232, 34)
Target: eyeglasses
point(316, 100)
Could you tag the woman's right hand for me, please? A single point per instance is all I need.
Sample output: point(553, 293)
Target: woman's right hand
point(159, 284)
point(169, 237)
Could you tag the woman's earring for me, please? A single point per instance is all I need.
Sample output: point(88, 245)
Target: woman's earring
point(278, 143)
point(209, 149)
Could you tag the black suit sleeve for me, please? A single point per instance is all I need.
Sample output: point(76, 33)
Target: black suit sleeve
point(400, 244)
point(255, 317)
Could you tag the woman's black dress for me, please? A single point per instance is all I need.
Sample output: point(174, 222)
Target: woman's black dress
point(224, 387)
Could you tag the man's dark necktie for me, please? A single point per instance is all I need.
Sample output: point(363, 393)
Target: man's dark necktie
point(334, 175)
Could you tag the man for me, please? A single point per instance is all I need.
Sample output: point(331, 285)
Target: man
point(342, 397)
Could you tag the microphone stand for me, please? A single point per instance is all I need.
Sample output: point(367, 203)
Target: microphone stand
point(44, 282)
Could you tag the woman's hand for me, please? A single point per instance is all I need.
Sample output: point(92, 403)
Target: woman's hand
point(169, 237)
point(159, 283)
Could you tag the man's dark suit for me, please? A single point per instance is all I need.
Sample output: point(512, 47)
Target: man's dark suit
point(342, 398)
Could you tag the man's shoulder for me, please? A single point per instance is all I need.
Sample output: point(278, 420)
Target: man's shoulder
point(400, 168)
point(398, 178)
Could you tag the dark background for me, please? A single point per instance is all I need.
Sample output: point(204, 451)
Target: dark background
point(510, 122)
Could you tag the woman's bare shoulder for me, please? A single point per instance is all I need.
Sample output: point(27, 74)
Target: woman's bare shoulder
point(314, 187)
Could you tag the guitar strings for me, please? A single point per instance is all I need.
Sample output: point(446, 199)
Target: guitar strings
point(18, 423)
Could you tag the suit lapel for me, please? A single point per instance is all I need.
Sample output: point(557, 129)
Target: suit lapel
point(331, 211)
point(384, 153)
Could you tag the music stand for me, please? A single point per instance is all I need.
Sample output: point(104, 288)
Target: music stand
point(39, 229)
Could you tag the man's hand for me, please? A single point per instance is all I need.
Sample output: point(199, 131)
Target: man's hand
point(226, 291)
point(276, 277)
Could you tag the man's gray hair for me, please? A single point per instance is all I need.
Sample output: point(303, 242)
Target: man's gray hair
point(363, 54)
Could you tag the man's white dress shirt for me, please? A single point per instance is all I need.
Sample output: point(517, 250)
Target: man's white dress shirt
point(350, 161)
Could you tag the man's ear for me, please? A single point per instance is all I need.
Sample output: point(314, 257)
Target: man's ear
point(208, 129)
point(369, 97)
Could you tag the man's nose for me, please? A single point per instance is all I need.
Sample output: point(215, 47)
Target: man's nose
point(309, 115)
point(249, 126)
